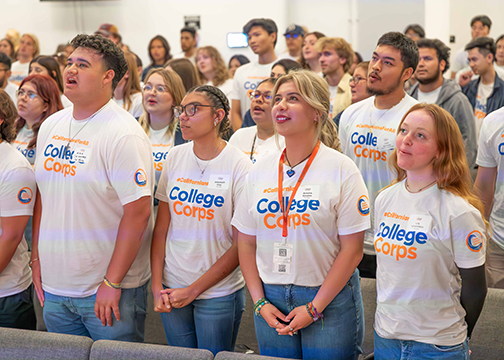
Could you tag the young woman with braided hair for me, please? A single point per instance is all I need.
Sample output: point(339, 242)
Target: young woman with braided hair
point(197, 285)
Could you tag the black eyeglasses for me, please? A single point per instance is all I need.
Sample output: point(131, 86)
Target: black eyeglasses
point(356, 79)
point(294, 36)
point(189, 109)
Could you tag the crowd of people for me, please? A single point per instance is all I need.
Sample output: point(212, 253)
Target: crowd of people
point(294, 175)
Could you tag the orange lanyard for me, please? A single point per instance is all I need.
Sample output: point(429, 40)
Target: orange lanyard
point(285, 212)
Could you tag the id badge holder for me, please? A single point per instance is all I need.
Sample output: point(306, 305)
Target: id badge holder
point(282, 258)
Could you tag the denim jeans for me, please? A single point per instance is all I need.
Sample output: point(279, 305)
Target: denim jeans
point(210, 324)
point(341, 337)
point(16, 311)
point(76, 316)
point(393, 349)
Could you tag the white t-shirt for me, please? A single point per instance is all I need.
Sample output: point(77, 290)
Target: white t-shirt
point(421, 239)
point(23, 137)
point(17, 197)
point(491, 154)
point(428, 97)
point(109, 164)
point(181, 55)
point(19, 72)
point(331, 201)
point(245, 81)
point(460, 60)
point(480, 107)
point(65, 102)
point(333, 91)
point(136, 108)
point(286, 55)
point(161, 145)
point(371, 150)
point(201, 208)
point(11, 89)
point(243, 139)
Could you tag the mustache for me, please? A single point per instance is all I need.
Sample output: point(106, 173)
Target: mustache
point(375, 74)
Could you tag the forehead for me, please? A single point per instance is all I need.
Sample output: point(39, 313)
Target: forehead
point(361, 71)
point(287, 87)
point(186, 34)
point(29, 86)
point(427, 52)
point(194, 97)
point(255, 29)
point(156, 42)
point(89, 55)
point(310, 37)
point(265, 86)
point(388, 51)
point(27, 39)
point(155, 79)
point(477, 24)
point(329, 49)
point(475, 53)
point(420, 118)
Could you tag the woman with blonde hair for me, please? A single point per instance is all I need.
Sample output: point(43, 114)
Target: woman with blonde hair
point(28, 49)
point(128, 92)
point(430, 237)
point(163, 90)
point(301, 227)
point(212, 70)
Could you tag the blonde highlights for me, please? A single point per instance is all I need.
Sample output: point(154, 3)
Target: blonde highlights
point(342, 48)
point(220, 68)
point(132, 85)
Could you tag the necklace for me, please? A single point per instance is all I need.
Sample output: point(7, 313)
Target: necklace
point(291, 171)
point(414, 192)
point(252, 150)
point(67, 147)
point(213, 156)
point(371, 125)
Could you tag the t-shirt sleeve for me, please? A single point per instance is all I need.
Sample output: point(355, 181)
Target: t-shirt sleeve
point(353, 208)
point(131, 169)
point(468, 238)
point(485, 157)
point(242, 168)
point(244, 218)
point(343, 120)
point(17, 192)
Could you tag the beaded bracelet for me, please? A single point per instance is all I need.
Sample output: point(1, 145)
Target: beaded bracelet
point(259, 304)
point(32, 261)
point(111, 284)
point(314, 314)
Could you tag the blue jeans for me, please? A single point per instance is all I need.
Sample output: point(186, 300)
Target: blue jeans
point(343, 332)
point(16, 311)
point(210, 324)
point(76, 316)
point(393, 349)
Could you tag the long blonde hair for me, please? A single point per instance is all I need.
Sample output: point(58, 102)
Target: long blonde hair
point(315, 91)
point(175, 87)
point(450, 167)
point(132, 85)
point(221, 72)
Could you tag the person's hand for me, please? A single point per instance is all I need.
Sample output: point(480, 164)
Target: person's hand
point(271, 315)
point(107, 301)
point(161, 302)
point(465, 77)
point(180, 297)
point(299, 319)
point(37, 281)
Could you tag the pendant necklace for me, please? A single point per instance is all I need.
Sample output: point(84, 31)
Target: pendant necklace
point(414, 192)
point(213, 156)
point(291, 171)
point(371, 125)
point(67, 147)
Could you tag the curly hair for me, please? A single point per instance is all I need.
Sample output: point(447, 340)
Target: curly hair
point(8, 114)
point(221, 73)
point(112, 55)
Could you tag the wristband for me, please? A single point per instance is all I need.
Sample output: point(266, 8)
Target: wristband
point(32, 261)
point(259, 304)
point(111, 284)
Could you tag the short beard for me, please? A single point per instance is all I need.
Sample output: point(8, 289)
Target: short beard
point(431, 79)
point(389, 90)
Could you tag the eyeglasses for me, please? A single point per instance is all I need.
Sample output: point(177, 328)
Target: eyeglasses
point(356, 79)
point(189, 109)
point(255, 95)
point(159, 89)
point(31, 95)
point(294, 36)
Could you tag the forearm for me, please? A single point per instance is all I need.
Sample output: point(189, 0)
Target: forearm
point(248, 265)
point(8, 245)
point(37, 214)
point(473, 294)
point(484, 186)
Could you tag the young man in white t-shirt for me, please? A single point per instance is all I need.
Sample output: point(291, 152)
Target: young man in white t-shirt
point(336, 57)
point(28, 49)
point(367, 129)
point(95, 175)
point(490, 186)
point(188, 43)
point(262, 37)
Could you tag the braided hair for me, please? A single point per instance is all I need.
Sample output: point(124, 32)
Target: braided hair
point(218, 100)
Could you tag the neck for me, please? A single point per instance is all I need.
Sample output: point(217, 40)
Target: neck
point(267, 58)
point(295, 53)
point(208, 147)
point(383, 102)
point(500, 63)
point(299, 147)
point(210, 75)
point(118, 93)
point(83, 111)
point(420, 179)
point(265, 133)
point(158, 122)
point(31, 122)
point(314, 65)
point(159, 62)
point(189, 53)
point(23, 59)
point(334, 78)
point(431, 86)
point(488, 77)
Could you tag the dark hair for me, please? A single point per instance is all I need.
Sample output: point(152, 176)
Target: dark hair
point(186, 70)
point(138, 60)
point(190, 30)
point(13, 49)
point(499, 39)
point(241, 58)
point(417, 29)
point(359, 57)
point(8, 114)
point(287, 64)
point(166, 46)
point(485, 46)
point(6, 60)
point(112, 55)
point(442, 51)
point(267, 80)
point(218, 100)
point(52, 67)
point(49, 93)
point(485, 20)
point(267, 24)
point(407, 47)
